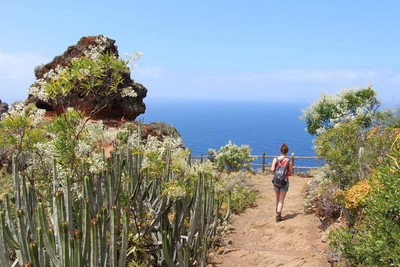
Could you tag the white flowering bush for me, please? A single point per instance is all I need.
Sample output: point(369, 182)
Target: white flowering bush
point(156, 153)
point(330, 111)
point(232, 158)
point(71, 139)
point(21, 128)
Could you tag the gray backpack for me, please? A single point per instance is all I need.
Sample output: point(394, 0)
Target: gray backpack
point(279, 179)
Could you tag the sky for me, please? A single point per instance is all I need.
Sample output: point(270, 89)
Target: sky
point(269, 51)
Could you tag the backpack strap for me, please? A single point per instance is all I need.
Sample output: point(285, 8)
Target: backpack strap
point(287, 162)
point(279, 161)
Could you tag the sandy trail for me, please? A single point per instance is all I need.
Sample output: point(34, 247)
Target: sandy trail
point(257, 240)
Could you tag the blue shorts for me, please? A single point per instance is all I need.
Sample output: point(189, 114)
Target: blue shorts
point(282, 189)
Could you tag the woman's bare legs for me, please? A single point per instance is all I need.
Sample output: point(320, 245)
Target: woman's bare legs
point(280, 199)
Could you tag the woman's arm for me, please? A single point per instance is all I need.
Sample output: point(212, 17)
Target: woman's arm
point(273, 165)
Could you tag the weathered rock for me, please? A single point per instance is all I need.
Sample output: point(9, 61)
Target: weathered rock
point(129, 107)
point(3, 108)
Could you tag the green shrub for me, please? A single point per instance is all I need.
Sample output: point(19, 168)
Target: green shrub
point(373, 240)
point(232, 158)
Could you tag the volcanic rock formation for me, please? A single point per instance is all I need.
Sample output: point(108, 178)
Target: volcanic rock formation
point(118, 106)
point(3, 108)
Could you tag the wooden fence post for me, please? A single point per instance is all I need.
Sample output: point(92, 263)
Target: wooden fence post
point(293, 161)
point(263, 163)
point(201, 158)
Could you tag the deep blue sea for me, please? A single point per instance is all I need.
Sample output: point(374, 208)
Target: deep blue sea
point(211, 124)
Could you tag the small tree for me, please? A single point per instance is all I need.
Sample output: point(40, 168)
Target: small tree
point(330, 111)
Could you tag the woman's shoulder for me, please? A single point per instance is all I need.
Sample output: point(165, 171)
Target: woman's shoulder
point(280, 158)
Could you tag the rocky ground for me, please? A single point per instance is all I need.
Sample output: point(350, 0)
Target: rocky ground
point(255, 239)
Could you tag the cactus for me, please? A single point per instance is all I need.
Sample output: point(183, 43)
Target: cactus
point(113, 236)
point(94, 253)
point(65, 256)
point(22, 240)
point(94, 231)
point(125, 234)
point(3, 241)
point(34, 254)
point(73, 249)
point(43, 256)
point(165, 250)
point(47, 235)
point(76, 248)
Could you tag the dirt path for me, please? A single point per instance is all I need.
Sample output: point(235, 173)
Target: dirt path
point(257, 240)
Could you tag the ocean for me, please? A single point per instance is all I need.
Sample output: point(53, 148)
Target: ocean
point(205, 124)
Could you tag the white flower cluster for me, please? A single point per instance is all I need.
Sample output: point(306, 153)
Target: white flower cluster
point(342, 110)
point(38, 88)
point(94, 132)
point(83, 149)
point(134, 140)
point(38, 116)
point(36, 160)
point(132, 58)
point(35, 115)
point(175, 192)
point(46, 150)
point(155, 147)
point(128, 91)
point(320, 130)
point(84, 72)
point(205, 167)
point(96, 163)
point(179, 162)
point(17, 108)
point(95, 51)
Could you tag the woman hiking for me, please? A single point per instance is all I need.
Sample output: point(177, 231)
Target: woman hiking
point(280, 191)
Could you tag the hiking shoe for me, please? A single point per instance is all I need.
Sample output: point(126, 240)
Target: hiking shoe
point(279, 218)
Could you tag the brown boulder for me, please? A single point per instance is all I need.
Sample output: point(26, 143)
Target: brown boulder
point(116, 105)
point(3, 108)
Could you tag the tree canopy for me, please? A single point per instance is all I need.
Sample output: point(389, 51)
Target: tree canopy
point(331, 110)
